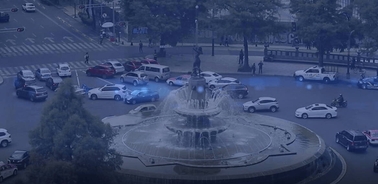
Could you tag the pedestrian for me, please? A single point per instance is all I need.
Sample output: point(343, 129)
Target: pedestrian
point(149, 42)
point(260, 67)
point(86, 57)
point(241, 57)
point(101, 38)
point(253, 67)
point(226, 42)
point(353, 65)
point(155, 55)
point(140, 46)
point(221, 40)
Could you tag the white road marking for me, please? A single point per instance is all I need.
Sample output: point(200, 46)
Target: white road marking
point(34, 35)
point(43, 7)
point(52, 34)
point(15, 36)
point(101, 79)
point(41, 26)
point(32, 19)
point(15, 20)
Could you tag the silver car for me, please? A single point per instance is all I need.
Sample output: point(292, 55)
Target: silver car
point(135, 78)
point(42, 74)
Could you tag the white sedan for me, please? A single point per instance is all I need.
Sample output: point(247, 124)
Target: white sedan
point(262, 103)
point(372, 136)
point(118, 67)
point(222, 82)
point(28, 7)
point(26, 75)
point(109, 91)
point(316, 111)
point(63, 70)
point(210, 76)
point(179, 80)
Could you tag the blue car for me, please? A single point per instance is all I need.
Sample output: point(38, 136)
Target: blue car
point(19, 83)
point(368, 83)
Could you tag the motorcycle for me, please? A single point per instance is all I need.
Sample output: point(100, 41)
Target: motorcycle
point(335, 103)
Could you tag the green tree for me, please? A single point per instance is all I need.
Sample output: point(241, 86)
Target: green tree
point(168, 21)
point(324, 23)
point(68, 133)
point(248, 18)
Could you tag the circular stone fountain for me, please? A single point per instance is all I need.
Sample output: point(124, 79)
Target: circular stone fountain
point(200, 136)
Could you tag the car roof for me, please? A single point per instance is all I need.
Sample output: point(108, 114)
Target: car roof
point(145, 105)
point(373, 131)
point(35, 87)
point(44, 69)
point(20, 151)
point(63, 64)
point(136, 72)
point(208, 72)
point(3, 130)
point(355, 132)
point(56, 78)
point(267, 98)
point(113, 62)
point(104, 65)
point(155, 65)
point(228, 78)
point(319, 105)
point(116, 85)
point(25, 71)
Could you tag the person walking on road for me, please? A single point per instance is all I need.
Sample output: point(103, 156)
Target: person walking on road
point(226, 42)
point(140, 46)
point(260, 67)
point(241, 57)
point(86, 57)
point(253, 67)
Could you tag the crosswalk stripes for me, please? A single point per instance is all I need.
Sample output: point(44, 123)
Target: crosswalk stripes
point(11, 71)
point(56, 48)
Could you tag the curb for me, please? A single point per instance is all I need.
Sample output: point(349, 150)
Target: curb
point(344, 167)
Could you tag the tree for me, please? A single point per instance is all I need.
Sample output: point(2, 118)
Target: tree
point(168, 21)
point(70, 135)
point(324, 23)
point(249, 18)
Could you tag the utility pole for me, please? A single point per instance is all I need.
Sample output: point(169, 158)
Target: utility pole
point(212, 34)
point(196, 21)
point(350, 35)
point(114, 23)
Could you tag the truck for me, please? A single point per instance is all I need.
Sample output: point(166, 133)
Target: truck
point(316, 73)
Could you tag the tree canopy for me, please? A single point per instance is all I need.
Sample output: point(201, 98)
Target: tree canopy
point(70, 136)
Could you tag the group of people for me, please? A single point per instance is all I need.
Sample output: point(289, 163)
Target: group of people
point(253, 67)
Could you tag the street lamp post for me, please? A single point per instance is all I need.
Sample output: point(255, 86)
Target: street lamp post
point(350, 35)
point(114, 26)
point(196, 21)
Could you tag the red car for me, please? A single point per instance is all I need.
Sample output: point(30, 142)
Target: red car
point(132, 65)
point(104, 71)
point(149, 61)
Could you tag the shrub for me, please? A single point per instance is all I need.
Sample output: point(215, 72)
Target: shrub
point(84, 18)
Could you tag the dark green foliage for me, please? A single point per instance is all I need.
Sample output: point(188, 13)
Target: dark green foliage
point(85, 18)
point(72, 140)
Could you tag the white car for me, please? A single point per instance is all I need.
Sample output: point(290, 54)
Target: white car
point(179, 80)
point(26, 75)
point(372, 136)
point(118, 67)
point(316, 111)
point(210, 76)
point(109, 91)
point(262, 103)
point(145, 108)
point(63, 70)
point(28, 7)
point(222, 82)
point(7, 170)
point(5, 137)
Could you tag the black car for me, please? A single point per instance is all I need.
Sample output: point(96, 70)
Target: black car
point(32, 93)
point(53, 82)
point(368, 83)
point(4, 17)
point(236, 90)
point(20, 159)
point(352, 140)
point(141, 96)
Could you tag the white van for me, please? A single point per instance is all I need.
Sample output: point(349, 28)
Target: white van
point(156, 72)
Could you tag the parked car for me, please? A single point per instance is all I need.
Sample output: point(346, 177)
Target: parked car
point(222, 82)
point(317, 110)
point(19, 83)
point(53, 82)
point(372, 136)
point(32, 93)
point(28, 7)
point(145, 110)
point(7, 170)
point(117, 66)
point(104, 71)
point(42, 74)
point(135, 78)
point(156, 72)
point(210, 76)
point(109, 91)
point(131, 65)
point(26, 75)
point(4, 17)
point(179, 80)
point(352, 140)
point(262, 103)
point(148, 61)
point(138, 96)
point(19, 158)
point(5, 137)
point(234, 90)
point(368, 83)
point(63, 70)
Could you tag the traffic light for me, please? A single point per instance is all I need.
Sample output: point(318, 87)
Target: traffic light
point(81, 6)
point(14, 9)
point(293, 27)
point(20, 29)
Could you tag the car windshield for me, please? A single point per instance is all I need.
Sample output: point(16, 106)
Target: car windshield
point(308, 107)
point(28, 73)
point(64, 68)
point(143, 75)
point(360, 138)
point(45, 71)
point(215, 74)
point(117, 64)
point(58, 80)
point(40, 90)
point(17, 155)
point(374, 134)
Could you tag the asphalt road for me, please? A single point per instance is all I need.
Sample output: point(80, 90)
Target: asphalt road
point(19, 116)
